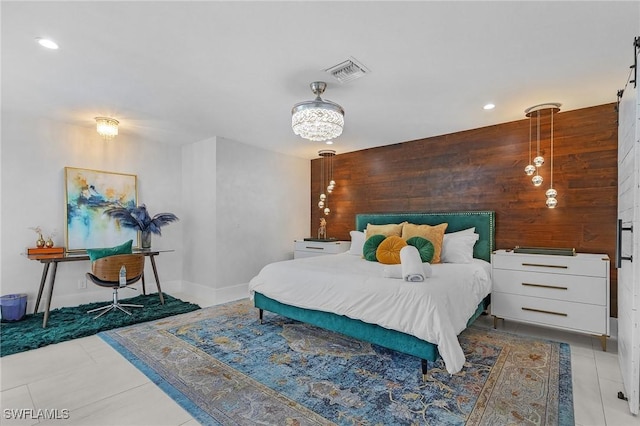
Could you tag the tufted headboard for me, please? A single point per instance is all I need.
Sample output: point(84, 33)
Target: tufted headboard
point(483, 221)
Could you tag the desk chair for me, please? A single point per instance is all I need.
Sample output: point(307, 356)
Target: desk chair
point(106, 273)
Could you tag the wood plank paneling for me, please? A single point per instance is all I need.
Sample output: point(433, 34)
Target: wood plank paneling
point(483, 169)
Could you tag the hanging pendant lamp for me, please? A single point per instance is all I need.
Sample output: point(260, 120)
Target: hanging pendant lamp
point(540, 111)
point(326, 172)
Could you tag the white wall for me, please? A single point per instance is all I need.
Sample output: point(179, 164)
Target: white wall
point(34, 154)
point(240, 207)
point(199, 195)
point(262, 207)
point(261, 204)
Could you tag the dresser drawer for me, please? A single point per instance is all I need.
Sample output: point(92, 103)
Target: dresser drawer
point(569, 315)
point(581, 289)
point(581, 264)
point(317, 248)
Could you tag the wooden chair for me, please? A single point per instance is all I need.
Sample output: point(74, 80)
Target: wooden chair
point(106, 273)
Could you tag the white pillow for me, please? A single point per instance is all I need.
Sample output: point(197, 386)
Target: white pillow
point(463, 232)
point(357, 243)
point(457, 247)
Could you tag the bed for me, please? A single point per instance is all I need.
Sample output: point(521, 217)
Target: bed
point(427, 330)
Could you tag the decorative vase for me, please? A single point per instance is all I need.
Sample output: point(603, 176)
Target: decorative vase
point(40, 242)
point(49, 243)
point(145, 236)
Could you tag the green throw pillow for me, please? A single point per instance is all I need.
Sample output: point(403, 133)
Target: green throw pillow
point(424, 246)
point(370, 247)
point(97, 253)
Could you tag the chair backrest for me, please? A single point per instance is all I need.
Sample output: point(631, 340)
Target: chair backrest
point(108, 268)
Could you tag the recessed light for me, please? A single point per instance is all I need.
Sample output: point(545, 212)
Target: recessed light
point(45, 42)
point(329, 142)
point(489, 106)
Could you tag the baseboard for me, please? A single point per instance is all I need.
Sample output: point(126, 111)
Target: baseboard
point(207, 296)
point(187, 291)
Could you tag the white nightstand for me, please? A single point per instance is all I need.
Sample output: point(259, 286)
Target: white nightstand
point(566, 292)
point(319, 248)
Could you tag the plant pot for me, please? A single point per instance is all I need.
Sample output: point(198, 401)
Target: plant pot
point(145, 239)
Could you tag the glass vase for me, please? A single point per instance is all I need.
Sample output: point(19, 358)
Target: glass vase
point(145, 239)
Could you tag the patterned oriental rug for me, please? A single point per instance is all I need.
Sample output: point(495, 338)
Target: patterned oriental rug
point(224, 367)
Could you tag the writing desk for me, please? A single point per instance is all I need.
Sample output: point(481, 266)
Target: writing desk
point(48, 259)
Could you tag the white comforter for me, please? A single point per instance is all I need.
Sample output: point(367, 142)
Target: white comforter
point(435, 310)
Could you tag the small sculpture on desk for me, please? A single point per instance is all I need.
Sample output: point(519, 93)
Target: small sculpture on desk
point(40, 242)
point(322, 231)
point(49, 243)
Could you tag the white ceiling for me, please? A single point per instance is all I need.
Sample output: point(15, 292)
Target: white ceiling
point(181, 72)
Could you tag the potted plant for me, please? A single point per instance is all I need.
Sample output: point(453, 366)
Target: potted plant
point(139, 218)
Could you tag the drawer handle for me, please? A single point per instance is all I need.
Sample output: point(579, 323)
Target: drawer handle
point(546, 286)
point(544, 312)
point(545, 266)
point(315, 248)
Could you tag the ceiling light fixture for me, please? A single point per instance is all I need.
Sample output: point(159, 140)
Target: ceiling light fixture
point(107, 127)
point(317, 120)
point(537, 110)
point(45, 42)
point(489, 106)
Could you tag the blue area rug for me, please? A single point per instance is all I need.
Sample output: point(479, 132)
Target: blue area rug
point(224, 367)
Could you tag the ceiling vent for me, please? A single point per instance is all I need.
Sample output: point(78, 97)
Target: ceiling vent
point(348, 70)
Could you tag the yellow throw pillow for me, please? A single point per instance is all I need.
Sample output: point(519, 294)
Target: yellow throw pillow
point(386, 230)
point(388, 251)
point(435, 234)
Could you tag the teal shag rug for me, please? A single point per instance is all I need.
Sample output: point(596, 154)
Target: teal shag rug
point(73, 322)
point(225, 368)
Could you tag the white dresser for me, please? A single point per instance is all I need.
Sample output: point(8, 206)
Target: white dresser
point(567, 292)
point(319, 248)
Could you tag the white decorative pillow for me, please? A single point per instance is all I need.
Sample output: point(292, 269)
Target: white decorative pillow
point(357, 242)
point(463, 232)
point(457, 247)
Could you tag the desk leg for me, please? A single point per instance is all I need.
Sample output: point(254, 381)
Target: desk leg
point(144, 288)
point(45, 271)
point(52, 281)
point(155, 274)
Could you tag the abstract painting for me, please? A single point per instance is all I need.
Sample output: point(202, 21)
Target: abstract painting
point(88, 194)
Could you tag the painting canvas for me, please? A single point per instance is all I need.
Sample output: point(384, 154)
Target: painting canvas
point(88, 194)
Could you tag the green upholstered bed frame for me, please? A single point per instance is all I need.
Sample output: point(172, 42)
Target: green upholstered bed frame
point(483, 221)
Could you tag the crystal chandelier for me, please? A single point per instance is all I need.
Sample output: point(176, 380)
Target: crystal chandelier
point(317, 120)
point(326, 172)
point(538, 161)
point(107, 127)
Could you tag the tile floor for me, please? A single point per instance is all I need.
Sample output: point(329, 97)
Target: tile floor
point(99, 387)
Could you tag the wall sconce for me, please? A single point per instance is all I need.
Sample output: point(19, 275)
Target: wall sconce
point(326, 172)
point(107, 127)
point(537, 111)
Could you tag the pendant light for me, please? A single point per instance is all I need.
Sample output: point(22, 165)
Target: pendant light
point(540, 111)
point(326, 172)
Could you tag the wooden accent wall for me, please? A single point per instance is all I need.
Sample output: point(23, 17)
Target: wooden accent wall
point(483, 169)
